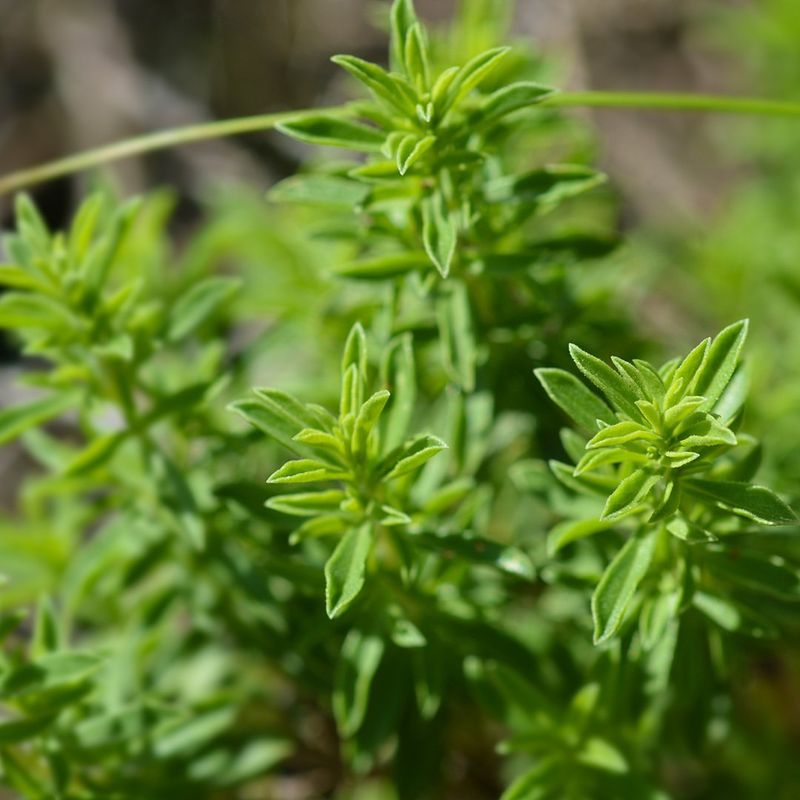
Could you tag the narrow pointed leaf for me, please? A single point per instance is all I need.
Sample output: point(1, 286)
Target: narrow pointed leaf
point(619, 391)
point(720, 363)
point(618, 585)
point(345, 569)
point(334, 132)
point(754, 502)
point(628, 495)
point(574, 398)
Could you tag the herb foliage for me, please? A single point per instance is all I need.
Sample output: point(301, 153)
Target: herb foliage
point(440, 590)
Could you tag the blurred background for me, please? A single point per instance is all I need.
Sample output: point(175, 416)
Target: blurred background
point(80, 73)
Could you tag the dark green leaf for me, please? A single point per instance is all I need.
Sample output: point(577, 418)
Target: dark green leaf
point(620, 391)
point(572, 397)
point(379, 268)
point(754, 502)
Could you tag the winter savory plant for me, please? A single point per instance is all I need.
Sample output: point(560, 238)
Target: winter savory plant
point(391, 572)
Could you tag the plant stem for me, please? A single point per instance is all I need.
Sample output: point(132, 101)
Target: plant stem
point(675, 102)
point(174, 137)
point(160, 140)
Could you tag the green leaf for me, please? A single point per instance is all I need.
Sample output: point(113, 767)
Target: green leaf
point(416, 57)
point(366, 420)
point(399, 372)
point(18, 278)
point(627, 497)
point(731, 616)
point(620, 434)
point(705, 432)
point(380, 268)
point(688, 371)
point(198, 304)
point(511, 98)
point(621, 392)
point(618, 585)
point(15, 731)
point(355, 350)
point(34, 311)
point(456, 335)
point(689, 531)
point(439, 233)
point(307, 504)
point(411, 149)
point(567, 532)
point(478, 550)
point(46, 631)
point(753, 502)
point(538, 783)
point(306, 470)
point(572, 397)
point(407, 635)
point(344, 570)
point(97, 453)
point(187, 735)
point(279, 415)
point(656, 614)
point(601, 754)
point(51, 682)
point(393, 516)
point(720, 363)
point(767, 576)
point(179, 499)
point(470, 75)
point(334, 132)
point(31, 224)
point(573, 443)
point(546, 187)
point(327, 190)
point(398, 96)
point(585, 484)
point(15, 420)
point(402, 20)
point(411, 456)
point(359, 661)
point(608, 455)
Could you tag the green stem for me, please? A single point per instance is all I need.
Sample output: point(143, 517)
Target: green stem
point(658, 101)
point(160, 140)
point(173, 137)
